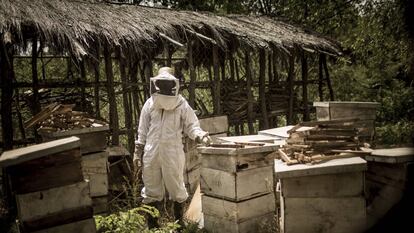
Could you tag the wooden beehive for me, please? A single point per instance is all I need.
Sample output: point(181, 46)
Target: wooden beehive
point(387, 181)
point(49, 186)
point(93, 139)
point(327, 197)
point(237, 187)
point(338, 110)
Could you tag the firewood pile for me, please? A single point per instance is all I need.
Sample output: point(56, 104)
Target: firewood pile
point(313, 142)
point(61, 117)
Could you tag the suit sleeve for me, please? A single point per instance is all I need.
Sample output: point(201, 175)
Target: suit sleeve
point(191, 123)
point(144, 124)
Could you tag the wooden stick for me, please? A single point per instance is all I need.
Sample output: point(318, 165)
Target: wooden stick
point(171, 40)
point(286, 158)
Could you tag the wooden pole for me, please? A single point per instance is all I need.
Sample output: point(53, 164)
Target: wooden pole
point(35, 80)
point(147, 76)
point(191, 87)
point(232, 65)
point(6, 79)
point(82, 84)
point(96, 62)
point(250, 100)
point(19, 116)
point(216, 83)
point(328, 79)
point(306, 116)
point(127, 110)
point(291, 77)
point(274, 64)
point(133, 72)
point(262, 89)
point(113, 113)
point(320, 79)
point(167, 54)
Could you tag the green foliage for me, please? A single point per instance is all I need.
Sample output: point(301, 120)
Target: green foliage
point(132, 220)
point(398, 134)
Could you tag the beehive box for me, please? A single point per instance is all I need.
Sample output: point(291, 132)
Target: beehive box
point(48, 182)
point(94, 168)
point(327, 197)
point(237, 174)
point(339, 110)
point(93, 139)
point(387, 181)
point(237, 187)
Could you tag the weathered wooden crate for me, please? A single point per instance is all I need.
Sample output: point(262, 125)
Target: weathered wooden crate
point(94, 168)
point(326, 197)
point(92, 139)
point(337, 110)
point(83, 226)
point(237, 186)
point(226, 216)
point(43, 166)
point(52, 201)
point(386, 180)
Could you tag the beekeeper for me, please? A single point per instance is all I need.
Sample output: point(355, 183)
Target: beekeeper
point(164, 117)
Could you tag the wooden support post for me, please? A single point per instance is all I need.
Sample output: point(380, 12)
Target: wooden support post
point(328, 79)
point(6, 79)
point(82, 84)
point(306, 116)
point(191, 87)
point(291, 77)
point(216, 83)
point(167, 54)
point(236, 66)
point(274, 64)
point(250, 100)
point(262, 89)
point(127, 110)
point(147, 76)
point(96, 71)
point(320, 79)
point(270, 66)
point(223, 66)
point(19, 116)
point(35, 80)
point(133, 72)
point(113, 113)
point(232, 65)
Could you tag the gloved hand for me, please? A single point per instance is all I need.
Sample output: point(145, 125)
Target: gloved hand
point(205, 140)
point(138, 154)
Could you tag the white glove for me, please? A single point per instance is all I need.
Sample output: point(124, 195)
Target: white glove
point(205, 140)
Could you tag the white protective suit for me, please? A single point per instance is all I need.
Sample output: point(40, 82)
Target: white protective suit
point(161, 131)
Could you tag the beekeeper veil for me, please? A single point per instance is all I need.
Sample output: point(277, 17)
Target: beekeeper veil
point(164, 89)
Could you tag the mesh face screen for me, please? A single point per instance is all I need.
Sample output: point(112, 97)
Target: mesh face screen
point(163, 87)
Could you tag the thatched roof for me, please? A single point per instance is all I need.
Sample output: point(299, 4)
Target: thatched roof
point(75, 24)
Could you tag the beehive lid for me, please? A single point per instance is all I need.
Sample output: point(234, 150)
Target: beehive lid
point(355, 164)
point(17, 156)
point(394, 155)
point(238, 151)
point(74, 132)
point(346, 104)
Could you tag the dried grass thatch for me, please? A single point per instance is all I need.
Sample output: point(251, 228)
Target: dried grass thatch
point(78, 24)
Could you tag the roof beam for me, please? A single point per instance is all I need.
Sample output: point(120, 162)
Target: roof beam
point(203, 37)
point(171, 40)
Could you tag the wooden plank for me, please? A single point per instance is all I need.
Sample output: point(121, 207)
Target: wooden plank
point(395, 155)
point(95, 163)
point(257, 224)
point(354, 164)
point(76, 132)
point(332, 185)
point(333, 215)
point(90, 142)
point(42, 203)
point(237, 186)
point(117, 151)
point(47, 172)
point(238, 211)
point(84, 226)
point(13, 157)
point(250, 138)
point(340, 110)
point(56, 219)
point(215, 125)
point(238, 151)
point(237, 163)
point(98, 184)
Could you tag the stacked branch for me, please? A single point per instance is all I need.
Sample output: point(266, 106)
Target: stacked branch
point(61, 117)
point(312, 142)
point(235, 101)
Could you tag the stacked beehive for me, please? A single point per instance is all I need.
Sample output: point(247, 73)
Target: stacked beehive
point(311, 142)
point(216, 127)
point(322, 198)
point(59, 121)
point(237, 187)
point(49, 188)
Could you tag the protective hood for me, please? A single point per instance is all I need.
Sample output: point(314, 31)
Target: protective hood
point(164, 90)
